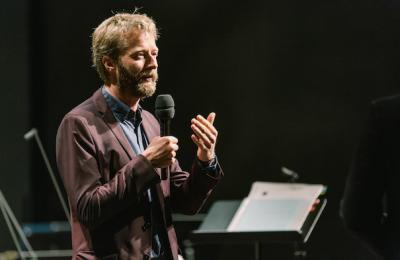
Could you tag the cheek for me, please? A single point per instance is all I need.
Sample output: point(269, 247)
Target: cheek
point(135, 67)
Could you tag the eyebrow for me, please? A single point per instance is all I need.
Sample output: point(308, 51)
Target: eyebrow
point(141, 50)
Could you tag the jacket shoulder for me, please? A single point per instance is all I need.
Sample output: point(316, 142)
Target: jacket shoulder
point(80, 117)
point(88, 109)
point(386, 107)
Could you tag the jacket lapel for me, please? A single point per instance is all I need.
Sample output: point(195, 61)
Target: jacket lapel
point(116, 129)
point(149, 127)
point(112, 122)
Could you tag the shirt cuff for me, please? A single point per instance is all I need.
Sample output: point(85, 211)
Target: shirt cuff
point(209, 167)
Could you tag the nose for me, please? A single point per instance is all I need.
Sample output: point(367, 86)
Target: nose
point(152, 62)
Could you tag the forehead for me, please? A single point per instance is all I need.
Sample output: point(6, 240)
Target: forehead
point(140, 40)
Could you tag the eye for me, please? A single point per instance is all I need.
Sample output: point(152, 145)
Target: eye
point(138, 56)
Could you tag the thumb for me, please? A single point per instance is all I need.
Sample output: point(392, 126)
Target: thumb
point(211, 117)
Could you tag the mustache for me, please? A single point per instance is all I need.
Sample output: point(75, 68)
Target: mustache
point(152, 74)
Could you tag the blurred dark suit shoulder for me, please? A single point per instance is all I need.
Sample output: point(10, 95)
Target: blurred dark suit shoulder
point(371, 202)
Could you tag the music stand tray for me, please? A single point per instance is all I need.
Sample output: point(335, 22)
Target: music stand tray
point(214, 228)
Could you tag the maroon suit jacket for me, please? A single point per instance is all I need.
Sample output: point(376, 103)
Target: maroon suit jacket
point(104, 179)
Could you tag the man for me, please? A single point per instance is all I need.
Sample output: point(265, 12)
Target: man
point(371, 202)
point(109, 154)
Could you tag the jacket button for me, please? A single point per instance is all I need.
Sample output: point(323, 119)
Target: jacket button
point(146, 226)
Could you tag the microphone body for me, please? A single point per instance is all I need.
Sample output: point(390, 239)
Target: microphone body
point(165, 127)
point(165, 111)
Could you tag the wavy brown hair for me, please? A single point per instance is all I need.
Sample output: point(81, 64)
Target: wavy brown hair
point(110, 37)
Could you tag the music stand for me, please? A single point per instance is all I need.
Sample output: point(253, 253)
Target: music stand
point(214, 229)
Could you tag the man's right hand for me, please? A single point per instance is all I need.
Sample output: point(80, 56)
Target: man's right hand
point(161, 151)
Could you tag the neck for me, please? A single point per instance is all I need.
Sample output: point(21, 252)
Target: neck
point(124, 95)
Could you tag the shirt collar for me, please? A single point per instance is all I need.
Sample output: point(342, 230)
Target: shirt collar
point(120, 110)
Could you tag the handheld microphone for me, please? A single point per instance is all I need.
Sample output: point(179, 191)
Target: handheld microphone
point(165, 111)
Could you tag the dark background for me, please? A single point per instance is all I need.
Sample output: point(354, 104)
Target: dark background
point(290, 82)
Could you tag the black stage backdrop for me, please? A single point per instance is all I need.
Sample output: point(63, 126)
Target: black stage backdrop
point(289, 80)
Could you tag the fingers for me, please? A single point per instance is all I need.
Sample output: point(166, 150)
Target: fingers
point(203, 134)
point(204, 130)
point(170, 146)
point(169, 158)
point(198, 142)
point(161, 151)
point(172, 139)
point(207, 122)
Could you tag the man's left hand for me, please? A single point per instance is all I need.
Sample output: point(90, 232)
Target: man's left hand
point(205, 136)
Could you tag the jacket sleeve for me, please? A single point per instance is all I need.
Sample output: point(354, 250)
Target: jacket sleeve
point(190, 191)
point(91, 198)
point(361, 207)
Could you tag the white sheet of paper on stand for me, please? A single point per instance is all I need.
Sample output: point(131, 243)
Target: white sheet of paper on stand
point(285, 190)
point(275, 207)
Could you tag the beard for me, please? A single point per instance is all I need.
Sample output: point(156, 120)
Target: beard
point(135, 82)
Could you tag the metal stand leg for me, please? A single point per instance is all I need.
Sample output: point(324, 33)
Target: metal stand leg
point(257, 251)
point(299, 251)
point(13, 227)
point(189, 250)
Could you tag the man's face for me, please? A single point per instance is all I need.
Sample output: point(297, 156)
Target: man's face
point(137, 66)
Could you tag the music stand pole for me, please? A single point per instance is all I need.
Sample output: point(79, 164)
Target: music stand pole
point(12, 224)
point(34, 133)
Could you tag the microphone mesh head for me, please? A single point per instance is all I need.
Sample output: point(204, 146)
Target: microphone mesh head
point(165, 107)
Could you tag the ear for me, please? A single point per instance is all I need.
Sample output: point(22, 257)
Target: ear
point(109, 64)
